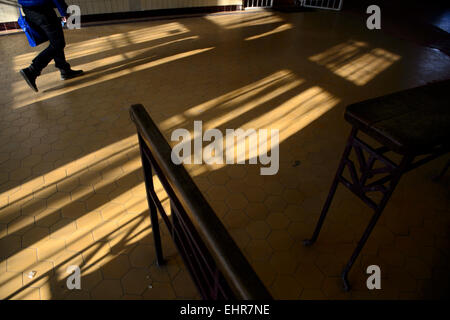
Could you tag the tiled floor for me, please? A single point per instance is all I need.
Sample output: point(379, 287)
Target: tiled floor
point(71, 189)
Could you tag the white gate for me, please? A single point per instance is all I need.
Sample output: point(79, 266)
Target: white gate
point(258, 3)
point(323, 4)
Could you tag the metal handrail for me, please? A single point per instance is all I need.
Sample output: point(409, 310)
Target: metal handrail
point(186, 198)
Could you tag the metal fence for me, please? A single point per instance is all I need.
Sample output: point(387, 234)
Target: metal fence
point(323, 4)
point(258, 3)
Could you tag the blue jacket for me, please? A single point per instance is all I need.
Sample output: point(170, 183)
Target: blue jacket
point(59, 4)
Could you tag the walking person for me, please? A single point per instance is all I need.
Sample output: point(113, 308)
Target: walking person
point(41, 14)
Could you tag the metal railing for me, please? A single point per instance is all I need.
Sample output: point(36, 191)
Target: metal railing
point(217, 266)
point(258, 3)
point(323, 4)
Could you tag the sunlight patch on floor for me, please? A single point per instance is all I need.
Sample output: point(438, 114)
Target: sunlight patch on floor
point(245, 20)
point(111, 42)
point(289, 117)
point(244, 99)
point(283, 27)
point(99, 221)
point(21, 91)
point(355, 61)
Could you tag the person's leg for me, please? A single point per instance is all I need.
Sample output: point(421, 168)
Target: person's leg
point(42, 60)
point(45, 18)
point(55, 34)
point(35, 18)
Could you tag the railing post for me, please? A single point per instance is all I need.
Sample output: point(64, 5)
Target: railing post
point(217, 266)
point(148, 178)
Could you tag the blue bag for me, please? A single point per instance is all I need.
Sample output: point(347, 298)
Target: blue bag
point(34, 37)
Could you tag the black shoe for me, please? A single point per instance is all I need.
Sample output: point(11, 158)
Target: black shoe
point(30, 78)
point(69, 74)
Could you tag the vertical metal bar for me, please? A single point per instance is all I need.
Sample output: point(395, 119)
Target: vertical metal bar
point(148, 178)
point(333, 188)
point(174, 220)
point(406, 161)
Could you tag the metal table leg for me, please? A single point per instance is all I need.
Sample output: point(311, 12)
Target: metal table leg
point(359, 186)
point(334, 185)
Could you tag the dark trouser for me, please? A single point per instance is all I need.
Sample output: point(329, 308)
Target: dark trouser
point(45, 18)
